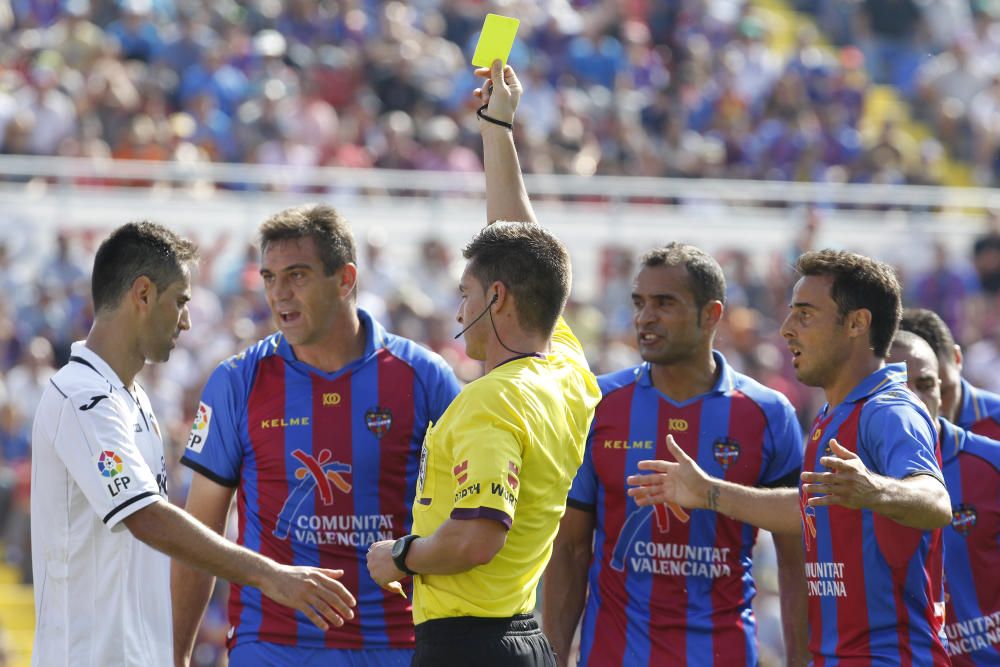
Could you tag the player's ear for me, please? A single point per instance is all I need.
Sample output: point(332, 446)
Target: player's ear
point(143, 292)
point(497, 295)
point(348, 279)
point(859, 322)
point(711, 313)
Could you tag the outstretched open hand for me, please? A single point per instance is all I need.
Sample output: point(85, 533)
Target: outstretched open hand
point(678, 482)
point(849, 483)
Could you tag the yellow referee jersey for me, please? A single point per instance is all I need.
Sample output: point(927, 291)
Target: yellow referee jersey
point(507, 448)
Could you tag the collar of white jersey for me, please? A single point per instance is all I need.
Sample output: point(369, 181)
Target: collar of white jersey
point(80, 349)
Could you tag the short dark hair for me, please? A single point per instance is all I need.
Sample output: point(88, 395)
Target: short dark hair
point(137, 249)
point(859, 282)
point(324, 224)
point(532, 263)
point(705, 277)
point(928, 325)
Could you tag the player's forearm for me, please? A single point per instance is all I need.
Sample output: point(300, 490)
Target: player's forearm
point(776, 510)
point(919, 501)
point(190, 591)
point(506, 196)
point(457, 546)
point(172, 531)
point(191, 588)
point(793, 598)
point(563, 596)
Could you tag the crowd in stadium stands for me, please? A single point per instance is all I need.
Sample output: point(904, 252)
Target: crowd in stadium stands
point(939, 55)
point(679, 88)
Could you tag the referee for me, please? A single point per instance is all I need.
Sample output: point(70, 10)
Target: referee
point(496, 468)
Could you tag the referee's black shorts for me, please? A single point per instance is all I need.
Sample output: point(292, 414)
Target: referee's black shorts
point(469, 641)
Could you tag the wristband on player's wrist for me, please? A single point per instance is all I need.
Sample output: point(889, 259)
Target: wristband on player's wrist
point(490, 119)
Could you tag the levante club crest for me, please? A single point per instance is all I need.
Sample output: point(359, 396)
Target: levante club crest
point(963, 518)
point(726, 451)
point(378, 420)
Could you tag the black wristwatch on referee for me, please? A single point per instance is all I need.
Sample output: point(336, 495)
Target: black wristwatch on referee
point(400, 548)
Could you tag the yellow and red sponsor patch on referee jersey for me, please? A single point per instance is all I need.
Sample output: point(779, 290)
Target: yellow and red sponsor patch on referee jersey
point(512, 472)
point(461, 471)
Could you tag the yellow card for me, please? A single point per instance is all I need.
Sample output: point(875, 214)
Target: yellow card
point(496, 40)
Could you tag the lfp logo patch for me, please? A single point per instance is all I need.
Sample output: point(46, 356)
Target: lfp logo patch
point(202, 418)
point(963, 518)
point(109, 464)
point(199, 429)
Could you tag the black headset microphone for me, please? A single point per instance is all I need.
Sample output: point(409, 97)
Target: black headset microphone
point(489, 309)
point(481, 316)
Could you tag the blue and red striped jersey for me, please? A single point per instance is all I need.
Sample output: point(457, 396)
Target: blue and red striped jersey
point(870, 580)
point(979, 411)
point(972, 547)
point(668, 587)
point(324, 465)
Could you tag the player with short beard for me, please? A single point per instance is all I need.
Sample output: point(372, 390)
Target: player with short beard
point(695, 610)
point(872, 491)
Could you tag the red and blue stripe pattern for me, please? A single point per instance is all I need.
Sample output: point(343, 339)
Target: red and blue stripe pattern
point(871, 594)
point(668, 587)
point(972, 547)
point(325, 465)
point(979, 411)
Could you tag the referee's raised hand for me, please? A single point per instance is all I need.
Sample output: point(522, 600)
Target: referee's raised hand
point(501, 93)
point(313, 591)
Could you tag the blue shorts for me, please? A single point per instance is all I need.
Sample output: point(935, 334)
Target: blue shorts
point(263, 654)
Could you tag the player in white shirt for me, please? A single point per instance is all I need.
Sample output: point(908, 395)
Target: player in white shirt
point(102, 593)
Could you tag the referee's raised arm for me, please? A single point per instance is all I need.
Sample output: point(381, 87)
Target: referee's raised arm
point(506, 196)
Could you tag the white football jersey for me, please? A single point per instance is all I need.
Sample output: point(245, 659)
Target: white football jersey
point(102, 597)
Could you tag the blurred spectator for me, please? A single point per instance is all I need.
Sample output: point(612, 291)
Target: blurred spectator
point(986, 259)
point(435, 276)
point(45, 114)
point(214, 77)
point(75, 37)
point(135, 32)
point(27, 380)
point(942, 289)
point(615, 302)
point(185, 42)
point(984, 118)
point(889, 32)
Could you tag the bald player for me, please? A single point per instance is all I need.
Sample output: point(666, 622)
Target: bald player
point(971, 467)
point(962, 404)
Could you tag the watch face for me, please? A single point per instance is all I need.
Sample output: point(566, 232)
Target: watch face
point(397, 548)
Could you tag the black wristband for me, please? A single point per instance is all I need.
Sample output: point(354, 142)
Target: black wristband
point(491, 119)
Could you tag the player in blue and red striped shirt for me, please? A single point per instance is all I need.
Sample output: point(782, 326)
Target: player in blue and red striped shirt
point(962, 404)
point(317, 429)
point(972, 547)
point(665, 587)
point(971, 466)
point(872, 493)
